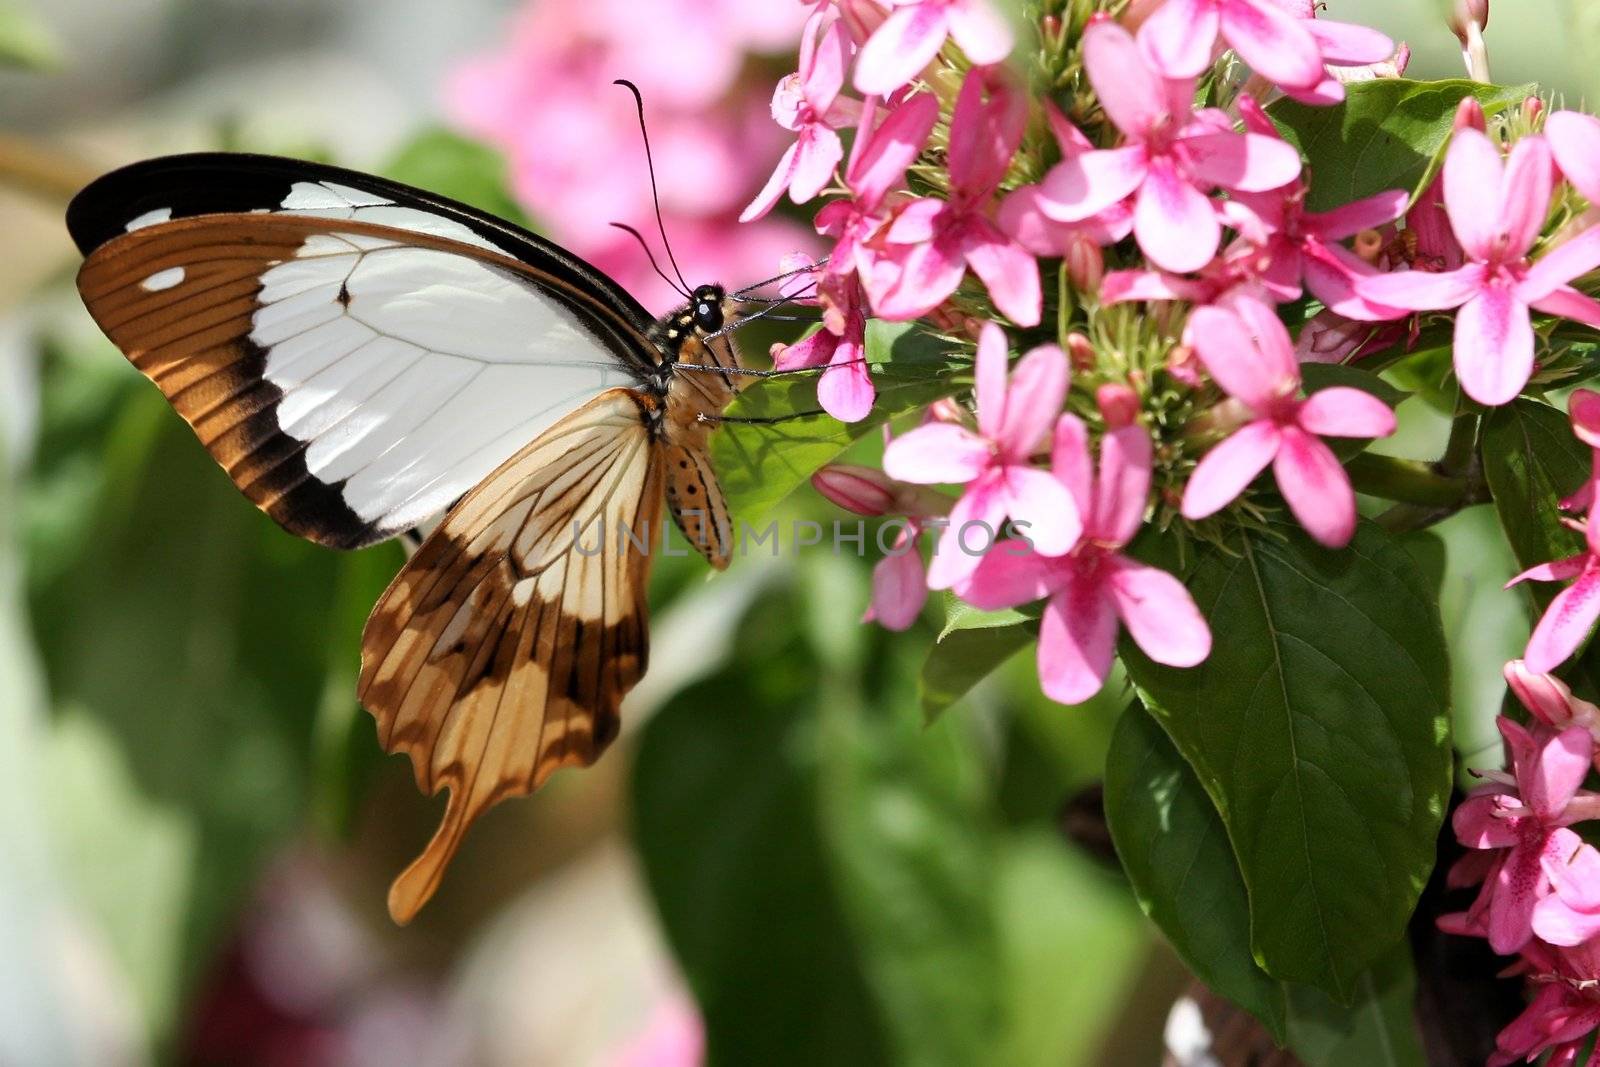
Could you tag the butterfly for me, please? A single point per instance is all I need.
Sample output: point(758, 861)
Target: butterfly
point(361, 356)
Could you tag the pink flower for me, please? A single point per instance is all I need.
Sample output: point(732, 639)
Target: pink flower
point(1497, 212)
point(845, 389)
point(1571, 615)
point(1180, 39)
point(1249, 354)
point(994, 463)
point(1525, 814)
point(1095, 585)
point(1288, 245)
point(1358, 51)
point(937, 240)
point(808, 102)
point(1169, 158)
point(899, 583)
point(878, 162)
point(913, 35)
point(1023, 215)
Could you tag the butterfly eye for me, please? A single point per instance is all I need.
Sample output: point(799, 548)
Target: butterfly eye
point(708, 317)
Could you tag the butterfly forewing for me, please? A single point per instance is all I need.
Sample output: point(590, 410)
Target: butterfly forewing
point(353, 379)
point(503, 649)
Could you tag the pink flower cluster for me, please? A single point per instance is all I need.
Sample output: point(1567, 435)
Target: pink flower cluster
point(1540, 882)
point(545, 98)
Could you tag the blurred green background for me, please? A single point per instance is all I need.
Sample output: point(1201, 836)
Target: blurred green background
point(779, 860)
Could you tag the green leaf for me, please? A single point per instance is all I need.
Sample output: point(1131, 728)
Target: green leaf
point(1175, 850)
point(444, 162)
point(1319, 726)
point(727, 827)
point(1328, 375)
point(964, 657)
point(1531, 460)
point(1377, 1030)
point(1387, 134)
point(26, 41)
point(761, 465)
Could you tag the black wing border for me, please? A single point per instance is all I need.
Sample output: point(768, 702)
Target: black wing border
point(211, 183)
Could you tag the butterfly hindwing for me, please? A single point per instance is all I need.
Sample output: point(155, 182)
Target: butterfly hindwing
point(503, 649)
point(353, 379)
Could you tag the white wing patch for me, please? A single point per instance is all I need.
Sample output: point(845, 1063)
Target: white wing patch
point(149, 218)
point(330, 200)
point(163, 279)
point(412, 373)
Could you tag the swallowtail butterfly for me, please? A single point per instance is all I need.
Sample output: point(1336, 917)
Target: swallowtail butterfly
point(360, 357)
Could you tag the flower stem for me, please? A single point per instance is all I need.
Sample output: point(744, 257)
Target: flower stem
point(1406, 481)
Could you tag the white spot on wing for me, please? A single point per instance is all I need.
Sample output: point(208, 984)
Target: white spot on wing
point(1187, 1039)
point(150, 218)
point(163, 279)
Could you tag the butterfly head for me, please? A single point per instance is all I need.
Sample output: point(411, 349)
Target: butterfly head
point(706, 308)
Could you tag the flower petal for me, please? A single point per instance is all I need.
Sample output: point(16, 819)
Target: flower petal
point(1473, 175)
point(1316, 487)
point(1494, 346)
point(1133, 96)
point(1422, 290)
point(1248, 162)
point(1122, 492)
point(1174, 222)
point(1525, 195)
point(1084, 185)
point(845, 390)
point(1333, 274)
point(1011, 575)
point(891, 148)
point(827, 62)
point(1558, 570)
point(1277, 46)
point(972, 530)
point(1349, 220)
point(1042, 509)
point(989, 368)
point(1477, 826)
point(1223, 472)
point(980, 31)
point(990, 116)
point(1341, 411)
point(899, 588)
point(929, 272)
point(937, 453)
point(1345, 44)
point(1575, 139)
point(1077, 640)
point(818, 152)
point(1069, 461)
point(1033, 401)
point(1568, 303)
point(1235, 359)
point(1565, 625)
point(1159, 613)
point(899, 49)
point(772, 192)
point(1180, 37)
point(1559, 768)
point(1006, 269)
point(1568, 260)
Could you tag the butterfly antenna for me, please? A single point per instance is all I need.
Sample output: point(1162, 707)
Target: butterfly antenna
point(655, 195)
point(739, 294)
point(637, 236)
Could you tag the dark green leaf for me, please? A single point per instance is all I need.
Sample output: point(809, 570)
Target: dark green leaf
point(1175, 849)
point(761, 465)
point(1531, 460)
point(964, 657)
point(1386, 135)
point(1319, 726)
point(1377, 1030)
point(727, 827)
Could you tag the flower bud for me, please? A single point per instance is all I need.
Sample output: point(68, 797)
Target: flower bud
point(1080, 352)
point(1583, 407)
point(1470, 114)
point(1086, 265)
point(1466, 14)
point(1119, 404)
point(863, 490)
point(946, 410)
point(1549, 699)
point(1532, 110)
